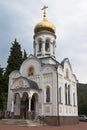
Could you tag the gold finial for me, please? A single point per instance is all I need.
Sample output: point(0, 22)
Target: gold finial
point(44, 15)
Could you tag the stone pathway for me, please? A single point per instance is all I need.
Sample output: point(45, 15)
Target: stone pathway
point(19, 122)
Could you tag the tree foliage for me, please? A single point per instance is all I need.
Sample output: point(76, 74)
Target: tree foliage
point(15, 58)
point(24, 55)
point(3, 89)
point(1, 78)
point(82, 98)
point(14, 62)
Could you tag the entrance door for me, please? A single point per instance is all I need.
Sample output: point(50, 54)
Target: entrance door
point(24, 106)
point(34, 105)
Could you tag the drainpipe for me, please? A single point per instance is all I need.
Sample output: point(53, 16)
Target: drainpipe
point(58, 121)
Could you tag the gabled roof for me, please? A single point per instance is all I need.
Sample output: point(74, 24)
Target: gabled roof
point(64, 60)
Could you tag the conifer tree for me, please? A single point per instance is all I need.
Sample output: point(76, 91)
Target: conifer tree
point(24, 55)
point(15, 58)
point(3, 89)
point(14, 62)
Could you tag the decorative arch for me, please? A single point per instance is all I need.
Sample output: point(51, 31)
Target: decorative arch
point(47, 45)
point(31, 70)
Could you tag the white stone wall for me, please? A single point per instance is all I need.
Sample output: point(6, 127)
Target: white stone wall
point(44, 76)
point(68, 110)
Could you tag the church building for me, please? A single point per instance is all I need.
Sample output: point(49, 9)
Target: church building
point(43, 87)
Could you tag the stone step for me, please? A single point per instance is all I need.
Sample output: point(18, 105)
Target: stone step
point(21, 122)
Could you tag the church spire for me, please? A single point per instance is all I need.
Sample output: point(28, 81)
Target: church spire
point(44, 13)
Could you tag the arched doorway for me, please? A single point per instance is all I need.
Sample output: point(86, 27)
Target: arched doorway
point(24, 106)
point(34, 105)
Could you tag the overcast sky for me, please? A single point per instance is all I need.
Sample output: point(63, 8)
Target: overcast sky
point(19, 17)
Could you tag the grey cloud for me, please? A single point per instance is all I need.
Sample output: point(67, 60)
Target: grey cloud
point(18, 18)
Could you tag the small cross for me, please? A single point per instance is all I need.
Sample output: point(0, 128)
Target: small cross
point(44, 8)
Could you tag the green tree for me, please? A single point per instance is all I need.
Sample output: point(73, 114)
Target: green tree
point(14, 62)
point(2, 81)
point(82, 98)
point(1, 78)
point(24, 55)
point(3, 90)
point(15, 58)
point(3, 100)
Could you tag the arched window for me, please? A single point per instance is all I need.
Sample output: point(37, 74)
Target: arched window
point(60, 95)
point(66, 101)
point(40, 44)
point(47, 45)
point(69, 94)
point(67, 73)
point(31, 71)
point(48, 94)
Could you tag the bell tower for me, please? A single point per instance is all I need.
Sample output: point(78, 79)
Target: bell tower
point(44, 38)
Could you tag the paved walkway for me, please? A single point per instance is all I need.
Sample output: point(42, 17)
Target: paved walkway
point(80, 126)
point(20, 122)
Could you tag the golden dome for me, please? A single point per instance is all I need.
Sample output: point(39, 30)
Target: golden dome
point(44, 25)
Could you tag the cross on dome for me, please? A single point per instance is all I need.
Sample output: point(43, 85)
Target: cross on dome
point(44, 9)
point(44, 25)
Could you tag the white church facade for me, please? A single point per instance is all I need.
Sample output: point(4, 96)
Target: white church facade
point(43, 86)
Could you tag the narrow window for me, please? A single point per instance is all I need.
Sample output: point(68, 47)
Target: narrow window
point(66, 102)
point(67, 73)
point(47, 45)
point(48, 94)
point(60, 95)
point(69, 94)
point(40, 45)
point(74, 99)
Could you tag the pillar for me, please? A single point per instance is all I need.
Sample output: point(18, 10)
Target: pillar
point(29, 110)
point(29, 104)
point(12, 109)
